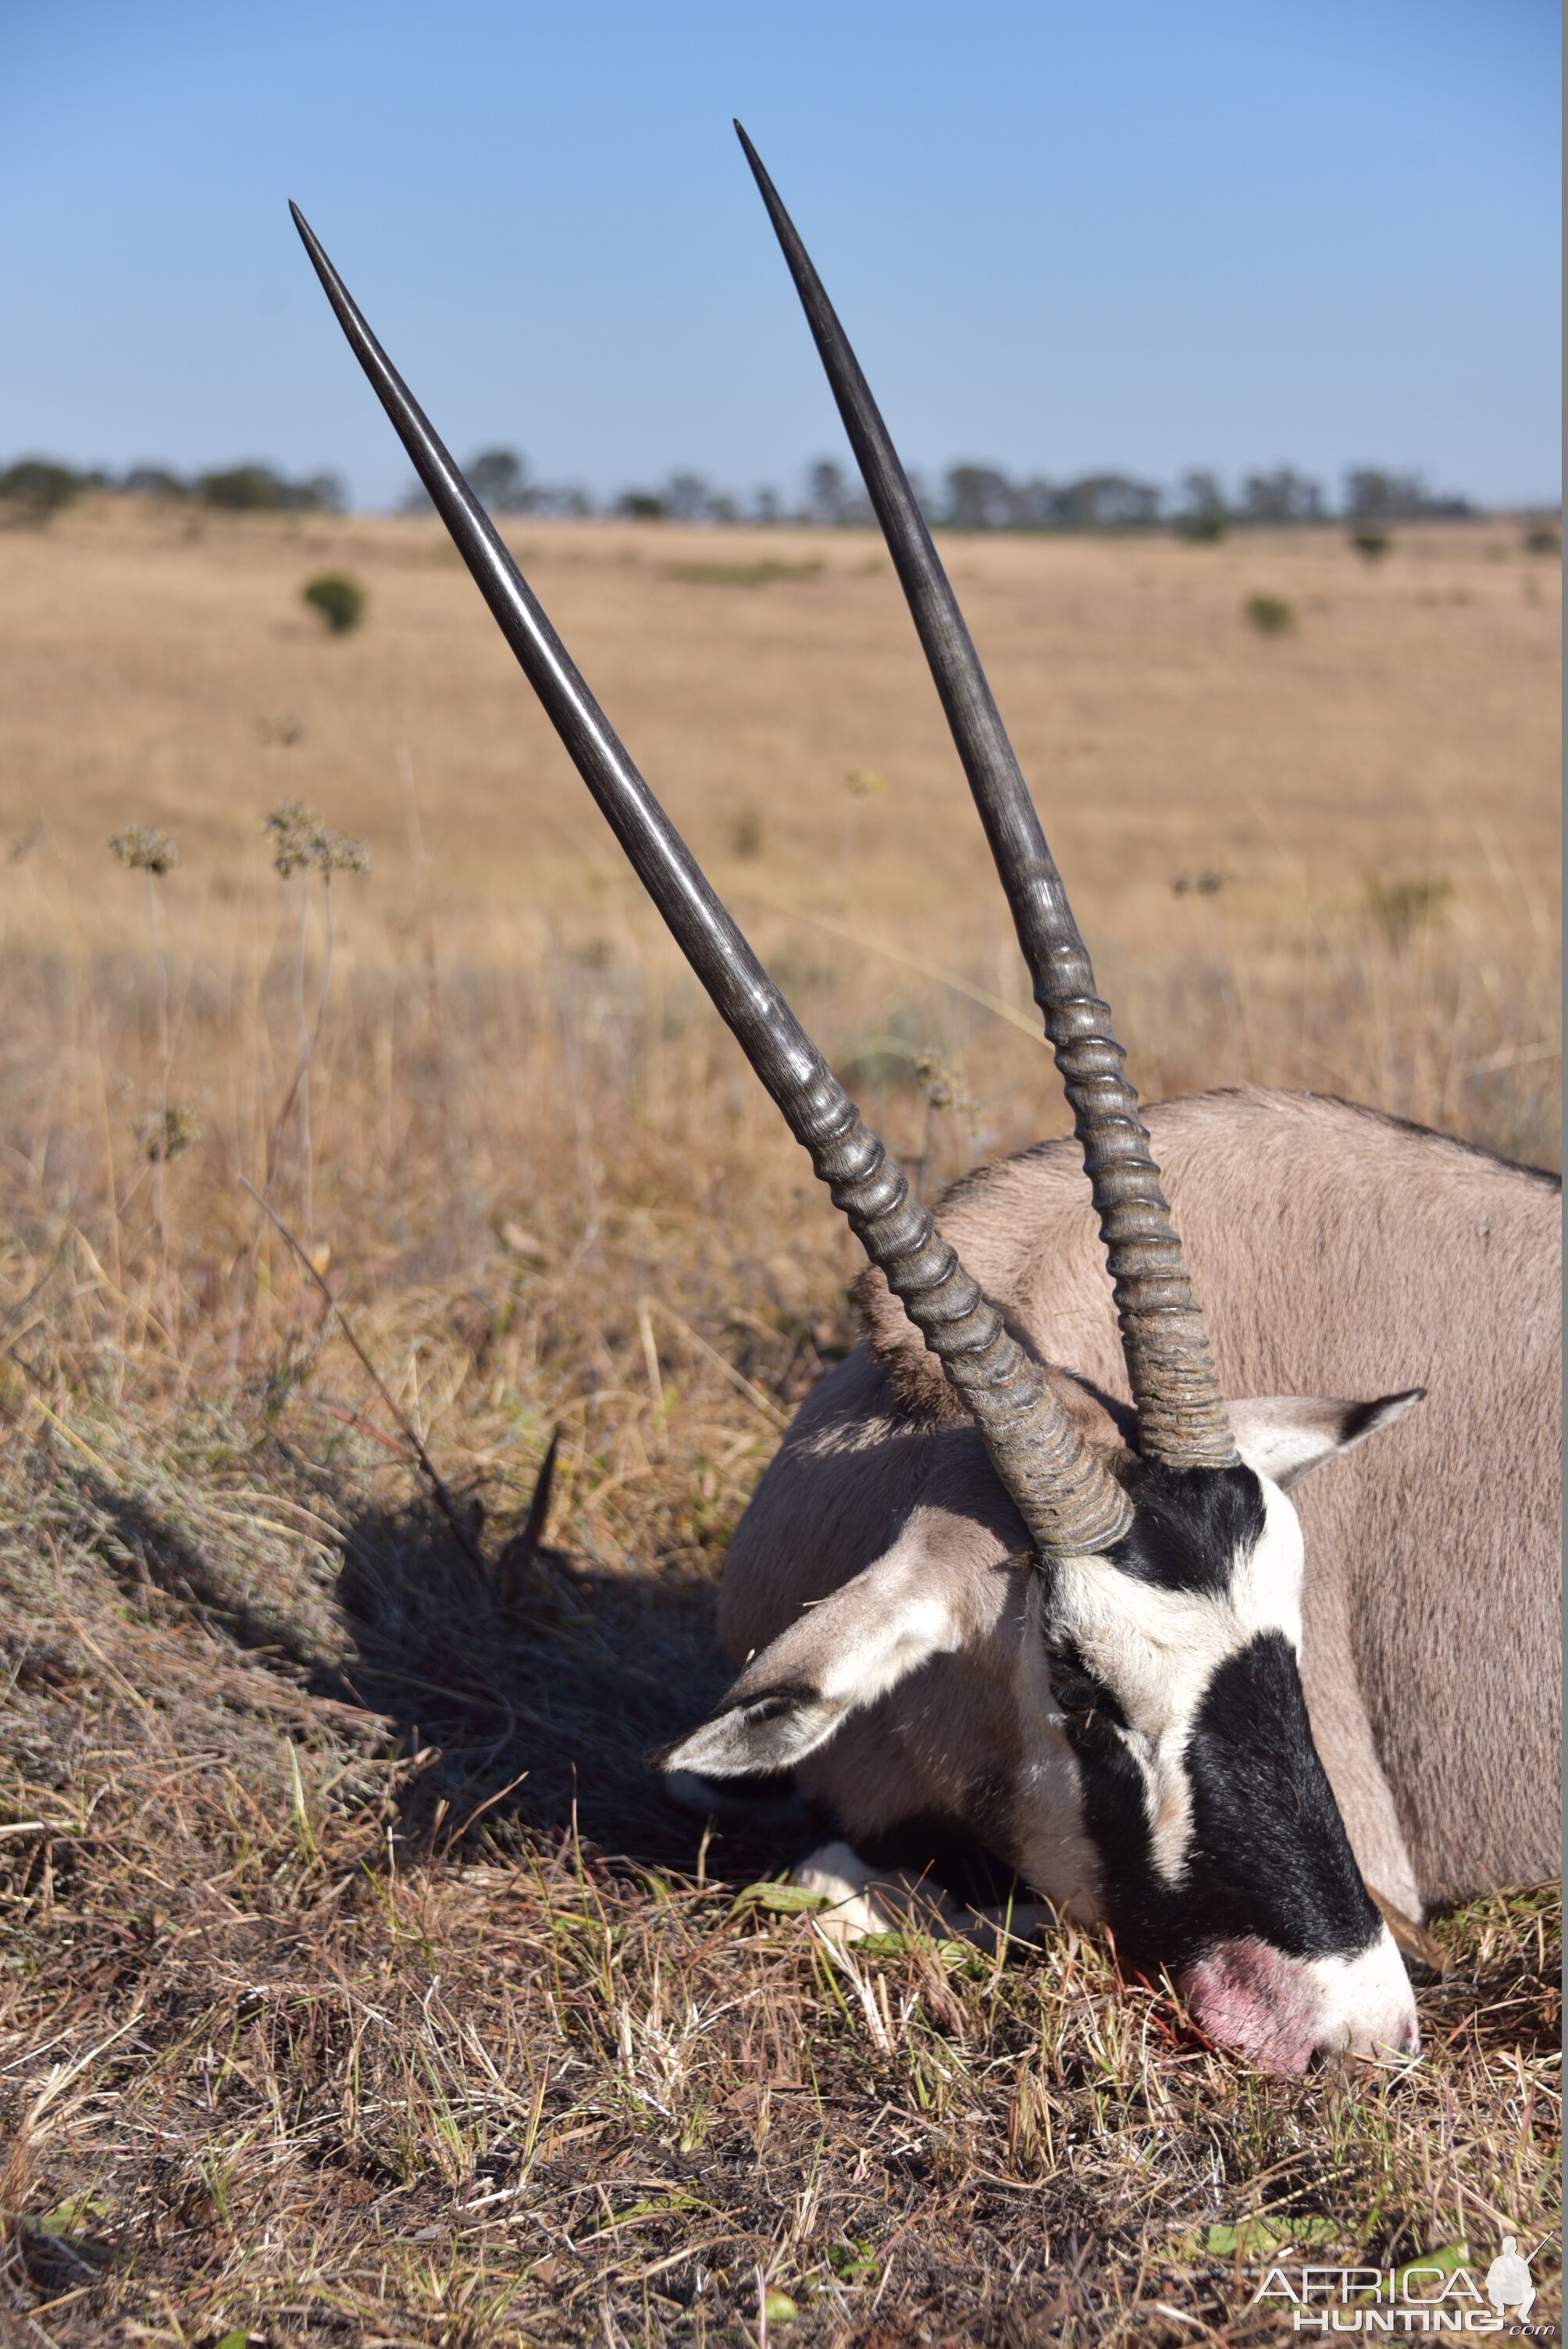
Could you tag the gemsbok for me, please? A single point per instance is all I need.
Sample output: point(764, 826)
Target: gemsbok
point(1045, 1594)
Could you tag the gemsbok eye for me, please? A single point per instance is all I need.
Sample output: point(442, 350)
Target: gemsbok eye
point(1075, 1689)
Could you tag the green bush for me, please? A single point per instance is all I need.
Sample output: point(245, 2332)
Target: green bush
point(1373, 545)
point(747, 833)
point(1271, 615)
point(36, 487)
point(1544, 540)
point(1402, 907)
point(339, 600)
point(1202, 529)
point(259, 488)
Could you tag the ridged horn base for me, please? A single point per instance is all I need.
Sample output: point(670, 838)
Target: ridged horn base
point(1066, 1496)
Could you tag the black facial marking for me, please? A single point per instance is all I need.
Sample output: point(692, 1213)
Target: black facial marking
point(1192, 1526)
point(1268, 1855)
point(1269, 1848)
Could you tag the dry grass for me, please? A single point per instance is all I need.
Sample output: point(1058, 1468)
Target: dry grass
point(358, 1985)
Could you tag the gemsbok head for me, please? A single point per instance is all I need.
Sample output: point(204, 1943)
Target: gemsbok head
point(1159, 1657)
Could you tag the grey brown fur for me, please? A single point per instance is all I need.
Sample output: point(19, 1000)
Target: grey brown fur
point(1339, 1253)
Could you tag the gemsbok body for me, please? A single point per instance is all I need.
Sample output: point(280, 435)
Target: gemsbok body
point(1016, 1580)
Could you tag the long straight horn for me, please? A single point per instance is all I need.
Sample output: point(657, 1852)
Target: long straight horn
point(1065, 1494)
point(1181, 1417)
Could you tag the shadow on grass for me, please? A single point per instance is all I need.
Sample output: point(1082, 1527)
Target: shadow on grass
point(543, 1707)
point(532, 1707)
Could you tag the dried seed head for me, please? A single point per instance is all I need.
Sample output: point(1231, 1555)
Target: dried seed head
point(340, 854)
point(163, 1134)
point(294, 830)
point(143, 848)
point(303, 842)
point(943, 1086)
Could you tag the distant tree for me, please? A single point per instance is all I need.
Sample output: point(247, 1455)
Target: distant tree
point(1283, 495)
point(826, 494)
point(640, 505)
point(501, 481)
point(320, 493)
point(243, 489)
point(1108, 502)
point(765, 505)
point(1373, 493)
point(1038, 504)
point(259, 488)
point(829, 498)
point(687, 498)
point(154, 481)
point(925, 497)
point(1201, 510)
point(499, 478)
point(980, 497)
point(36, 487)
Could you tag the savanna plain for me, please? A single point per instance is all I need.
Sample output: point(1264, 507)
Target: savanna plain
point(358, 1984)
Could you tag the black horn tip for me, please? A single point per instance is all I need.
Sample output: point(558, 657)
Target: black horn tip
point(309, 239)
point(759, 168)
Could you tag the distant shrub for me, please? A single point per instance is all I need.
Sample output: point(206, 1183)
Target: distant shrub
point(258, 489)
point(1401, 907)
point(339, 600)
point(747, 833)
point(1544, 540)
point(1271, 615)
point(1202, 529)
point(154, 481)
point(640, 505)
point(1371, 544)
point(38, 487)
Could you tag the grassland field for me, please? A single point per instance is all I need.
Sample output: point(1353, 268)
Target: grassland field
point(357, 1984)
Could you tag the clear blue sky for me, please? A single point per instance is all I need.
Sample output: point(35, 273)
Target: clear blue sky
point(1149, 234)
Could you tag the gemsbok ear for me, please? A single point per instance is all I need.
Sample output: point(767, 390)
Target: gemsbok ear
point(843, 1652)
point(1285, 1437)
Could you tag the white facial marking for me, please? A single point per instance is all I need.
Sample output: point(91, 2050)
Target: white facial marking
point(1158, 1652)
point(1364, 2005)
